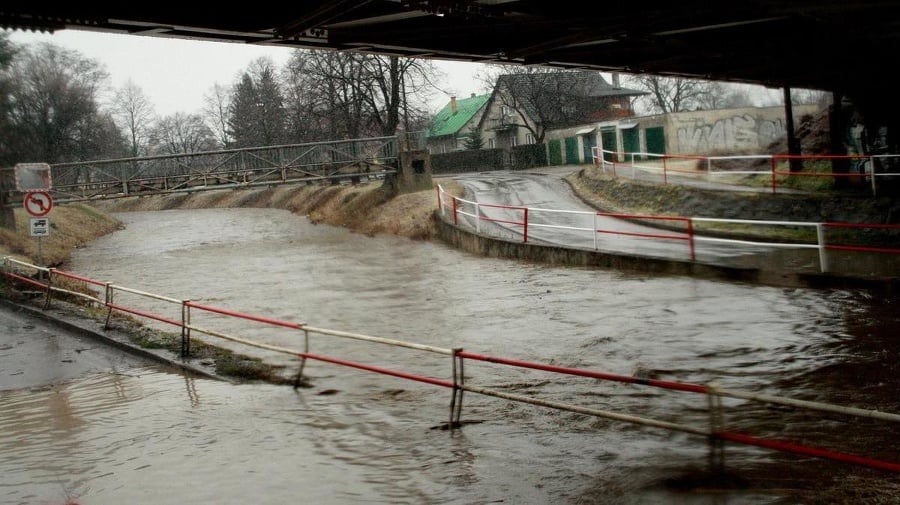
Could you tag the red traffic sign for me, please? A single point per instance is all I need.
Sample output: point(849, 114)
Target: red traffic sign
point(38, 203)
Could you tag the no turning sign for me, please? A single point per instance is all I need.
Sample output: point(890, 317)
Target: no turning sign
point(38, 203)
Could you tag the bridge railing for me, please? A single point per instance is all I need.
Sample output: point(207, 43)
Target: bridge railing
point(809, 172)
point(460, 376)
point(247, 166)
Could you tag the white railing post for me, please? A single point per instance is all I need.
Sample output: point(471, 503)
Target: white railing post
point(185, 329)
point(820, 240)
point(594, 231)
point(477, 217)
point(872, 174)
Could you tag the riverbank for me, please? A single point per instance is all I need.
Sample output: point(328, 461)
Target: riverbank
point(365, 209)
point(368, 209)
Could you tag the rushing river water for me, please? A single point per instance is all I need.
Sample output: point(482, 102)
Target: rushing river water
point(150, 435)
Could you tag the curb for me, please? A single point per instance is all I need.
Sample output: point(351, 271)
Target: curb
point(116, 338)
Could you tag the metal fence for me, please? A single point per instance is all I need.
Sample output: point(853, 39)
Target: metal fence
point(831, 241)
point(875, 173)
point(333, 161)
point(460, 374)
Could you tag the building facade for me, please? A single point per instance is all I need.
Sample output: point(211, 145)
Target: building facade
point(749, 130)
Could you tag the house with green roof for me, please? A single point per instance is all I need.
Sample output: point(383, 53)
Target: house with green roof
point(455, 123)
point(525, 106)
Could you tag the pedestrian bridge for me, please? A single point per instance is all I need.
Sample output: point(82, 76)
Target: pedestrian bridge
point(336, 162)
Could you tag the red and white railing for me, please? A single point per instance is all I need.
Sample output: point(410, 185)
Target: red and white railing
point(459, 380)
point(633, 164)
point(522, 219)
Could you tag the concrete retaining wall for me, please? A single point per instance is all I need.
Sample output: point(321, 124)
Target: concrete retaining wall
point(553, 255)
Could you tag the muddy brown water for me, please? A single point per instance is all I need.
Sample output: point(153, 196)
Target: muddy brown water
point(148, 435)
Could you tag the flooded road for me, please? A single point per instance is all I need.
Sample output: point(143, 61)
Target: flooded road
point(150, 435)
point(556, 216)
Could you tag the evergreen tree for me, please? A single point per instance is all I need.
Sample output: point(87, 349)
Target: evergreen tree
point(474, 141)
point(243, 124)
point(256, 115)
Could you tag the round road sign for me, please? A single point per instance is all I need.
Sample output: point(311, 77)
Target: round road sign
point(38, 203)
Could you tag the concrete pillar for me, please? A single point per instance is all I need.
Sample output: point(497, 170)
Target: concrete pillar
point(413, 174)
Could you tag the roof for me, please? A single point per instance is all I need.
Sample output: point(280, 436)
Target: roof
point(543, 93)
point(446, 122)
point(583, 83)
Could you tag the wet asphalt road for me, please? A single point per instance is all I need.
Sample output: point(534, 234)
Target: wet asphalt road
point(36, 352)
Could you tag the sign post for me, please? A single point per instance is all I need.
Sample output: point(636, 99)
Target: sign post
point(34, 180)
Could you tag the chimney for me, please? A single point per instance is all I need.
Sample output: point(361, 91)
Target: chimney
point(453, 104)
point(472, 96)
point(615, 78)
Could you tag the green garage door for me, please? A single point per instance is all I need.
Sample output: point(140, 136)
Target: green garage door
point(589, 140)
point(608, 137)
point(656, 140)
point(555, 148)
point(572, 151)
point(631, 140)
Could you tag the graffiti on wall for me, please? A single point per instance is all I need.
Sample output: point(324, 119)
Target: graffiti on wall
point(741, 132)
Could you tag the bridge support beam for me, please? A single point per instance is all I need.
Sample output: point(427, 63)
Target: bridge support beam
point(413, 174)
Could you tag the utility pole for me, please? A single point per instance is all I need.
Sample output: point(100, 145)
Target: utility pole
point(793, 144)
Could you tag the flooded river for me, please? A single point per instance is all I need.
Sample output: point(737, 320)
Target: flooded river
point(150, 435)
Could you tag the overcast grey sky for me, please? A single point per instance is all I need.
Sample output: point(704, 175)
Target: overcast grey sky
point(176, 73)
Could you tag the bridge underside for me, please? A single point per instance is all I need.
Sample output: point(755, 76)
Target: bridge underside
point(830, 45)
point(848, 48)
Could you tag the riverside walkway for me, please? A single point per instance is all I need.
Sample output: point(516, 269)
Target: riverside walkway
point(537, 208)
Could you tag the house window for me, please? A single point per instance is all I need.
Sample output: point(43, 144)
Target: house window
point(505, 111)
point(529, 138)
point(513, 141)
point(490, 143)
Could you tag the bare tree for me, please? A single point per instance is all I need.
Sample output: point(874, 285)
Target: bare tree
point(350, 95)
point(719, 95)
point(182, 133)
point(299, 104)
point(542, 98)
point(7, 52)
point(326, 95)
point(52, 107)
point(810, 96)
point(134, 114)
point(397, 86)
point(675, 94)
point(216, 103)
